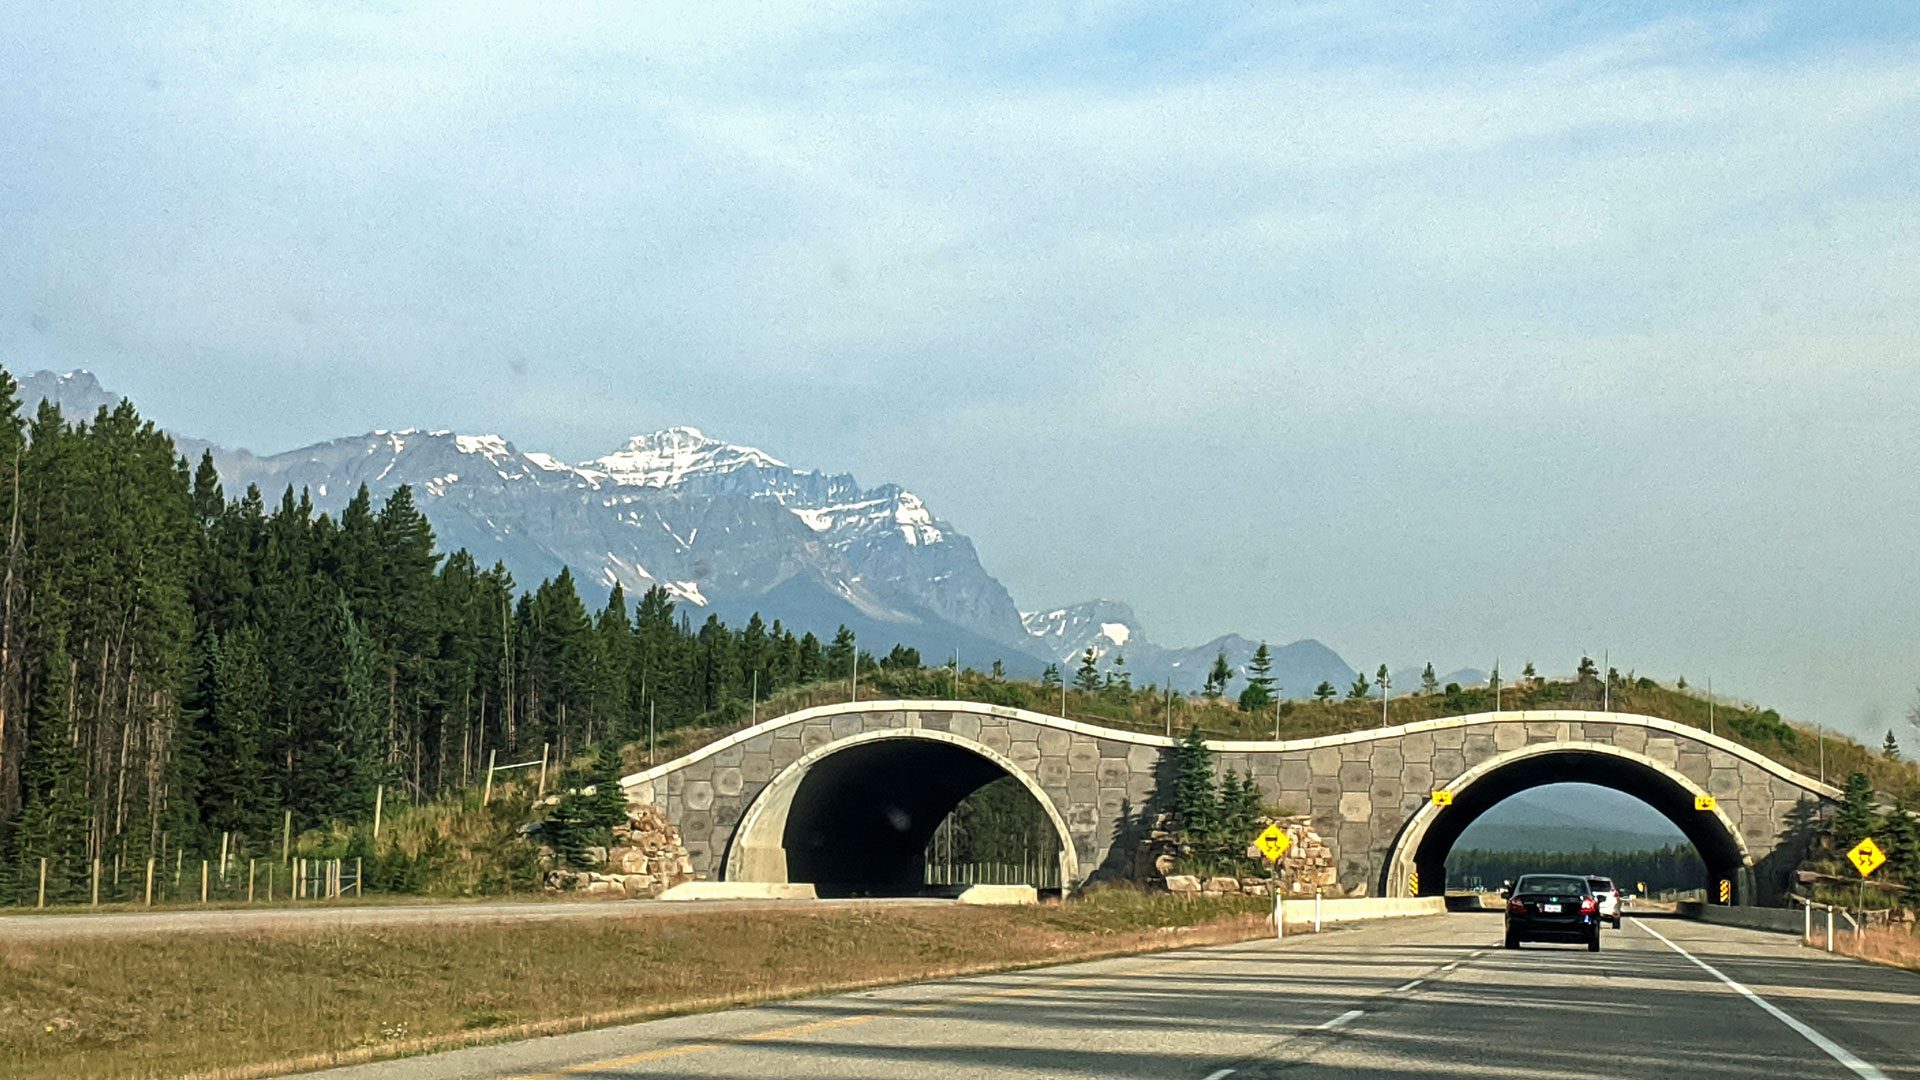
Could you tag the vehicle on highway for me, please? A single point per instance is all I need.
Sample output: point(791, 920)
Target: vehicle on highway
point(1552, 907)
point(1607, 896)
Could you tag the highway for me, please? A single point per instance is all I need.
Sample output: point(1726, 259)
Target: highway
point(1430, 997)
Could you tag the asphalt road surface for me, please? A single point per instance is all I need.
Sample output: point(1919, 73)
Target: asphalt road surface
point(1431, 997)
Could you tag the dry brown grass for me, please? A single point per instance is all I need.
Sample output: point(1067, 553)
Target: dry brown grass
point(1894, 946)
point(262, 1003)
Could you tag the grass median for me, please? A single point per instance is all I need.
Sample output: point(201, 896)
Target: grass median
point(263, 1002)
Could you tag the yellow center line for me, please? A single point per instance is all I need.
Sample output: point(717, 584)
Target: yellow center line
point(851, 1021)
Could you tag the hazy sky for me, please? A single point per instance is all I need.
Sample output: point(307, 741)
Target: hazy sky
point(1432, 330)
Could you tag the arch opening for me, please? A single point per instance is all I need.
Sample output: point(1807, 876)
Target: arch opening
point(856, 818)
point(1431, 836)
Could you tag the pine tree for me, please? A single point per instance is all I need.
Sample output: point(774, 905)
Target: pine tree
point(55, 814)
point(1118, 677)
point(1258, 694)
point(1050, 677)
point(1195, 802)
point(1360, 688)
point(1899, 837)
point(1588, 671)
point(1855, 818)
point(840, 654)
point(1087, 678)
point(1890, 747)
point(1324, 692)
point(1528, 674)
point(1429, 683)
point(1218, 677)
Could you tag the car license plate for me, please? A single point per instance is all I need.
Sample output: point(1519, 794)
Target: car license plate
point(1550, 909)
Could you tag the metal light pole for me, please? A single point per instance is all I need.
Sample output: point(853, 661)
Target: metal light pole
point(1606, 681)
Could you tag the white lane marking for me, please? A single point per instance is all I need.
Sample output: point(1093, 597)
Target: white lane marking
point(1834, 1050)
point(1342, 1020)
point(1407, 987)
point(1220, 1075)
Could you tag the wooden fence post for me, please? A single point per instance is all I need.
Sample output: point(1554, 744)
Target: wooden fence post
point(286, 837)
point(379, 803)
point(226, 839)
point(96, 882)
point(544, 747)
point(43, 882)
point(149, 881)
point(269, 883)
point(359, 880)
point(203, 880)
point(486, 797)
point(250, 862)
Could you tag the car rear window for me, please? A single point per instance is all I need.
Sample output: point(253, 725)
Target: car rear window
point(1600, 884)
point(1562, 886)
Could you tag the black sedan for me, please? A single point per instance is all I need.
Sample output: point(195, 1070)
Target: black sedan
point(1552, 907)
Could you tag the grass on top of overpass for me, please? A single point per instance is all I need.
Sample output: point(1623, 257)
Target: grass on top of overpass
point(262, 1003)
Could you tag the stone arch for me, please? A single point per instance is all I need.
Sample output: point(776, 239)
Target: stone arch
point(919, 774)
point(1429, 834)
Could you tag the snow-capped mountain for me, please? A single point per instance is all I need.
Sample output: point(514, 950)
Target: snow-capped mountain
point(720, 526)
point(1110, 629)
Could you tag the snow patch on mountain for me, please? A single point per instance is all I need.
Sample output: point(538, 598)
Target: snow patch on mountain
point(667, 458)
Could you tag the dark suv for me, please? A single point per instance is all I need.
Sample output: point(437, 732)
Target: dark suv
point(1552, 907)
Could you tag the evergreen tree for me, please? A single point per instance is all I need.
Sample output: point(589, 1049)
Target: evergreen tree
point(1528, 673)
point(55, 816)
point(1258, 694)
point(1118, 677)
point(1383, 680)
point(1855, 818)
point(998, 673)
point(1195, 803)
point(1429, 683)
point(1890, 747)
point(1588, 670)
point(1899, 837)
point(840, 654)
point(1050, 677)
point(1218, 677)
point(1087, 678)
point(1360, 688)
point(1324, 692)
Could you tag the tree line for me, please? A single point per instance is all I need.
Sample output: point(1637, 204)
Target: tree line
point(179, 663)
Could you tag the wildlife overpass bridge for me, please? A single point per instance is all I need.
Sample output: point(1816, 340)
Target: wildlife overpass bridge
point(848, 796)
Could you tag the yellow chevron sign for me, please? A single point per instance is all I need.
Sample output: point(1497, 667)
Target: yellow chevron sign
point(1706, 803)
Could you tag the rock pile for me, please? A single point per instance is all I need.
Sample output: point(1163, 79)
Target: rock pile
point(647, 859)
point(1307, 867)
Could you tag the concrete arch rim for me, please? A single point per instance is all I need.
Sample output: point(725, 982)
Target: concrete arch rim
point(787, 781)
point(1406, 844)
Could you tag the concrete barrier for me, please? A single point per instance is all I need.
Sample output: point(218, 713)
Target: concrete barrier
point(1300, 912)
point(740, 890)
point(1772, 920)
point(1000, 895)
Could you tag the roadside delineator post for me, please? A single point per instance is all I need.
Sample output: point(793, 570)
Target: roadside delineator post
point(1316, 910)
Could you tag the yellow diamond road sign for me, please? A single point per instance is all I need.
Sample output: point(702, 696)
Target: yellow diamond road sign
point(1443, 798)
point(1705, 802)
point(1866, 857)
point(1273, 843)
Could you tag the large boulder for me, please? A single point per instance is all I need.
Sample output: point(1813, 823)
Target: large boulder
point(1183, 884)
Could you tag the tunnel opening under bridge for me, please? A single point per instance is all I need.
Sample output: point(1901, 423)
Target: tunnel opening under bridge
point(860, 816)
point(1419, 864)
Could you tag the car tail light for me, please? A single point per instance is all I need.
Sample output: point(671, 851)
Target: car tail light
point(1516, 905)
point(1587, 906)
